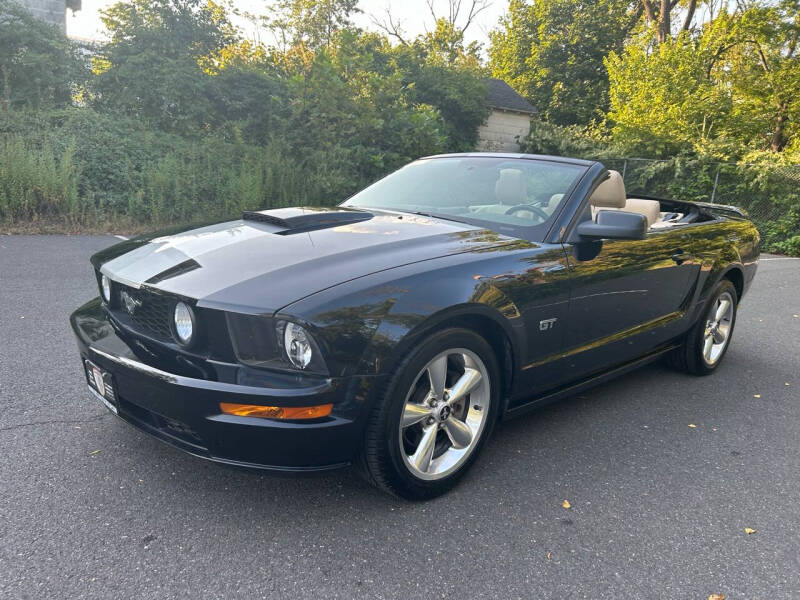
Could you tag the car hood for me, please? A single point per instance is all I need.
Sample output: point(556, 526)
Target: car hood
point(259, 267)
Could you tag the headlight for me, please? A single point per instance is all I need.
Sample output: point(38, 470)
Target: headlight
point(263, 342)
point(105, 288)
point(183, 319)
point(297, 345)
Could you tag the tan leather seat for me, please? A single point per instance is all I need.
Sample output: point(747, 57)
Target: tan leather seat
point(610, 195)
point(649, 208)
point(509, 190)
point(510, 187)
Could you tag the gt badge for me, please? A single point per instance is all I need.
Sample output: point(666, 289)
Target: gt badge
point(547, 324)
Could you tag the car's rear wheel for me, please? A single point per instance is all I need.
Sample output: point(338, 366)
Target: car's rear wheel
point(707, 342)
point(434, 417)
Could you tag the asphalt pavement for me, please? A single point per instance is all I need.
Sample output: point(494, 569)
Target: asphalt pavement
point(663, 472)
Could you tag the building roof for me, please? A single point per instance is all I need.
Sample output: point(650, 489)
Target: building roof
point(503, 96)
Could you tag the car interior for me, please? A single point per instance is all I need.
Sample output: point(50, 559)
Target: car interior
point(502, 191)
point(512, 198)
point(512, 193)
point(660, 214)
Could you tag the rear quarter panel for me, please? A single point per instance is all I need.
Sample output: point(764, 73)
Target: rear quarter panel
point(721, 246)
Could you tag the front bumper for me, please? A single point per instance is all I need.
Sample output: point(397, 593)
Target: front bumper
point(184, 411)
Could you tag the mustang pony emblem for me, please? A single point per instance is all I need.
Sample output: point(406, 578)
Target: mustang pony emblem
point(130, 303)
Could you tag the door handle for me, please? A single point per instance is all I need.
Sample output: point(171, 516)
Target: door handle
point(679, 256)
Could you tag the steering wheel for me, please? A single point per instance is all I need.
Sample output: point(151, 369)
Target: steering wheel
point(529, 208)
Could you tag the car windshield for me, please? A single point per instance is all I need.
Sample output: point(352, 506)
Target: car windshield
point(501, 193)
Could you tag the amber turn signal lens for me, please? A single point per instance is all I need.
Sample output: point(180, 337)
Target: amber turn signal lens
point(276, 412)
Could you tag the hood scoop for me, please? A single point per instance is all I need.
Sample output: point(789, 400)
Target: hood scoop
point(306, 218)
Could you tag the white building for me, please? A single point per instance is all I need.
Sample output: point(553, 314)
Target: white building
point(52, 11)
point(509, 121)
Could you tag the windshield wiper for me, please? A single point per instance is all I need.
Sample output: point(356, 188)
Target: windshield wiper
point(435, 216)
point(421, 213)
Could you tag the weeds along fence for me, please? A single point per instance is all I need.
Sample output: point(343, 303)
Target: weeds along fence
point(769, 193)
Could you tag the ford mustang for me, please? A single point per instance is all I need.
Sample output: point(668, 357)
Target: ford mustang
point(393, 331)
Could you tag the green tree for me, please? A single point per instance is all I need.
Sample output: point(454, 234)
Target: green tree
point(444, 43)
point(160, 59)
point(661, 100)
point(757, 54)
point(661, 13)
point(39, 66)
point(457, 92)
point(728, 88)
point(552, 52)
point(312, 23)
point(440, 70)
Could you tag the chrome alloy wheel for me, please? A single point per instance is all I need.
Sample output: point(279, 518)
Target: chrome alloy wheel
point(718, 328)
point(444, 414)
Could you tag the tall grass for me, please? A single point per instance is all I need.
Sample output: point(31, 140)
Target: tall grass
point(94, 173)
point(37, 183)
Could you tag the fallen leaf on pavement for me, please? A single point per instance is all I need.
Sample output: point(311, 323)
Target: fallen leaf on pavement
point(716, 597)
point(566, 504)
point(93, 452)
point(548, 556)
point(749, 530)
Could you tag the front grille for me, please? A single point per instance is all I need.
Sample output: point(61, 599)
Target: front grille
point(145, 311)
point(149, 314)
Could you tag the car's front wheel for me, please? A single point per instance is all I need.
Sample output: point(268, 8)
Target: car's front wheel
point(434, 416)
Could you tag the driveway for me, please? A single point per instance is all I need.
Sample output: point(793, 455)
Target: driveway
point(663, 472)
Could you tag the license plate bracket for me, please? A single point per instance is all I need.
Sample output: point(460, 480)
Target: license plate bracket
point(101, 384)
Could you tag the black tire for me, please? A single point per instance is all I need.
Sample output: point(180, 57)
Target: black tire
point(382, 461)
point(689, 356)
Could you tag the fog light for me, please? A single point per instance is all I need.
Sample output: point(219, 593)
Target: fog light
point(184, 323)
point(105, 286)
point(276, 412)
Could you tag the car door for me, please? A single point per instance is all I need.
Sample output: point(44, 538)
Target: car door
point(626, 298)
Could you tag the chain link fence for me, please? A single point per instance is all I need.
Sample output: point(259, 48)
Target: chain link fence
point(770, 194)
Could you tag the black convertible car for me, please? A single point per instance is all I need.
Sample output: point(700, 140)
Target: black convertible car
point(394, 330)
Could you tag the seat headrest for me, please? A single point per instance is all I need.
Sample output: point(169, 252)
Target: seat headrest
point(510, 187)
point(610, 193)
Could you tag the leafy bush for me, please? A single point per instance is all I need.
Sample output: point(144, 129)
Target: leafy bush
point(790, 246)
point(81, 168)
